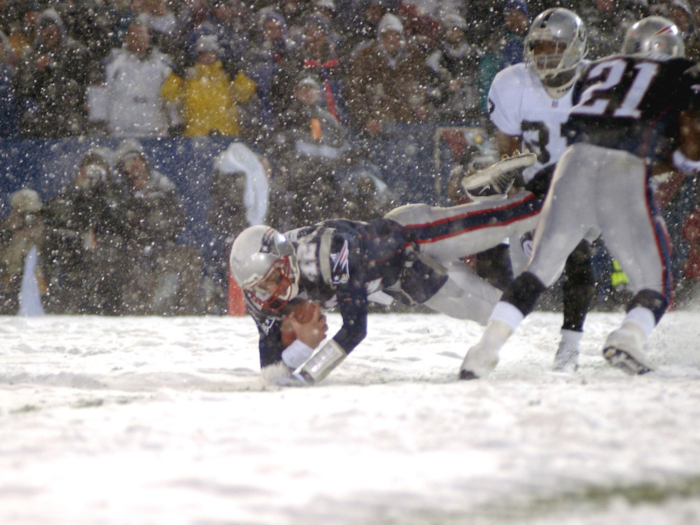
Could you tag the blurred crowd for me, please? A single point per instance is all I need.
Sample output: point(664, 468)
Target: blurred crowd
point(310, 85)
point(229, 67)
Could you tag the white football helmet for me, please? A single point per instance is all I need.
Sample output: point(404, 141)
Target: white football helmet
point(654, 35)
point(554, 47)
point(264, 264)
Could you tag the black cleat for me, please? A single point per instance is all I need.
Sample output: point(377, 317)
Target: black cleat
point(625, 362)
point(466, 375)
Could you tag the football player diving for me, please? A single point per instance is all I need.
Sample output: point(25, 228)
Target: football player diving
point(345, 264)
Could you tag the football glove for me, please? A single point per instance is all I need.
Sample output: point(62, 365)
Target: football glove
point(498, 178)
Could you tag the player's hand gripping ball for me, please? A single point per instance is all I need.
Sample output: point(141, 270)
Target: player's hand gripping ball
point(306, 323)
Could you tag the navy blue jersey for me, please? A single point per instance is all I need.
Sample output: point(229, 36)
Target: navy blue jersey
point(341, 263)
point(632, 103)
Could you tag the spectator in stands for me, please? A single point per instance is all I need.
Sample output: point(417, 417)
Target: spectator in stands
point(317, 57)
point(21, 242)
point(453, 70)
point(239, 190)
point(228, 21)
point(85, 242)
point(123, 13)
point(132, 104)
point(293, 12)
point(21, 26)
point(501, 45)
point(328, 11)
point(90, 22)
point(239, 194)
point(8, 100)
point(269, 65)
point(209, 98)
point(310, 146)
point(516, 15)
point(387, 81)
point(192, 14)
point(162, 24)
point(165, 277)
point(51, 79)
point(361, 25)
point(680, 13)
point(421, 26)
point(607, 21)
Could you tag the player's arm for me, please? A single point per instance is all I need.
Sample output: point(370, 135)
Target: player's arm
point(504, 111)
point(270, 347)
point(505, 96)
point(353, 306)
point(689, 121)
point(285, 344)
point(508, 144)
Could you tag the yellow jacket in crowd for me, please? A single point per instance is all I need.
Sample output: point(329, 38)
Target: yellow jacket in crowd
point(209, 98)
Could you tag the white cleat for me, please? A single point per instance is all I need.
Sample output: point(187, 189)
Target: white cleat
point(498, 178)
point(623, 350)
point(566, 359)
point(482, 358)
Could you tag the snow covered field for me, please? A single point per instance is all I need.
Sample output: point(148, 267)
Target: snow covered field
point(165, 421)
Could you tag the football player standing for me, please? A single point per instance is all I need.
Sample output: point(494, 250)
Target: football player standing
point(629, 110)
point(528, 103)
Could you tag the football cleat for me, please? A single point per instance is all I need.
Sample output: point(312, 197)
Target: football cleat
point(566, 359)
point(480, 362)
point(482, 358)
point(625, 361)
point(498, 178)
point(623, 350)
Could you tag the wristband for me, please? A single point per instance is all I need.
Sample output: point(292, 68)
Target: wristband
point(296, 354)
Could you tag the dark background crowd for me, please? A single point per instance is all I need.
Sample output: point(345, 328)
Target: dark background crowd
point(311, 86)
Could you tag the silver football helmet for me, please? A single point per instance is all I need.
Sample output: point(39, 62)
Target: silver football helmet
point(264, 264)
point(554, 47)
point(654, 35)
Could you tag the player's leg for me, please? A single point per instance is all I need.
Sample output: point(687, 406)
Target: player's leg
point(578, 290)
point(494, 266)
point(636, 238)
point(450, 234)
point(464, 295)
point(567, 217)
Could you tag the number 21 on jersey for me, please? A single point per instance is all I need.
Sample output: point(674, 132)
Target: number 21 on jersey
point(599, 99)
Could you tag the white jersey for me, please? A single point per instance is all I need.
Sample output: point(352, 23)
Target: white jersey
point(520, 106)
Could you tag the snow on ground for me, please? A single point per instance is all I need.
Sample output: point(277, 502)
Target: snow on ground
point(165, 421)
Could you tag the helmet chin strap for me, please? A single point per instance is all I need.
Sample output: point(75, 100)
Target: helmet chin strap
point(558, 92)
point(559, 85)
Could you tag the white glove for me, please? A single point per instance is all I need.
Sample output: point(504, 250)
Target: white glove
point(295, 380)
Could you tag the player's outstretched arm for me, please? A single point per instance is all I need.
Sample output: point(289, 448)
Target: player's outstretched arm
point(287, 343)
point(353, 307)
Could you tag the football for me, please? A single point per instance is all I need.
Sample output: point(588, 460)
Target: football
point(303, 313)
